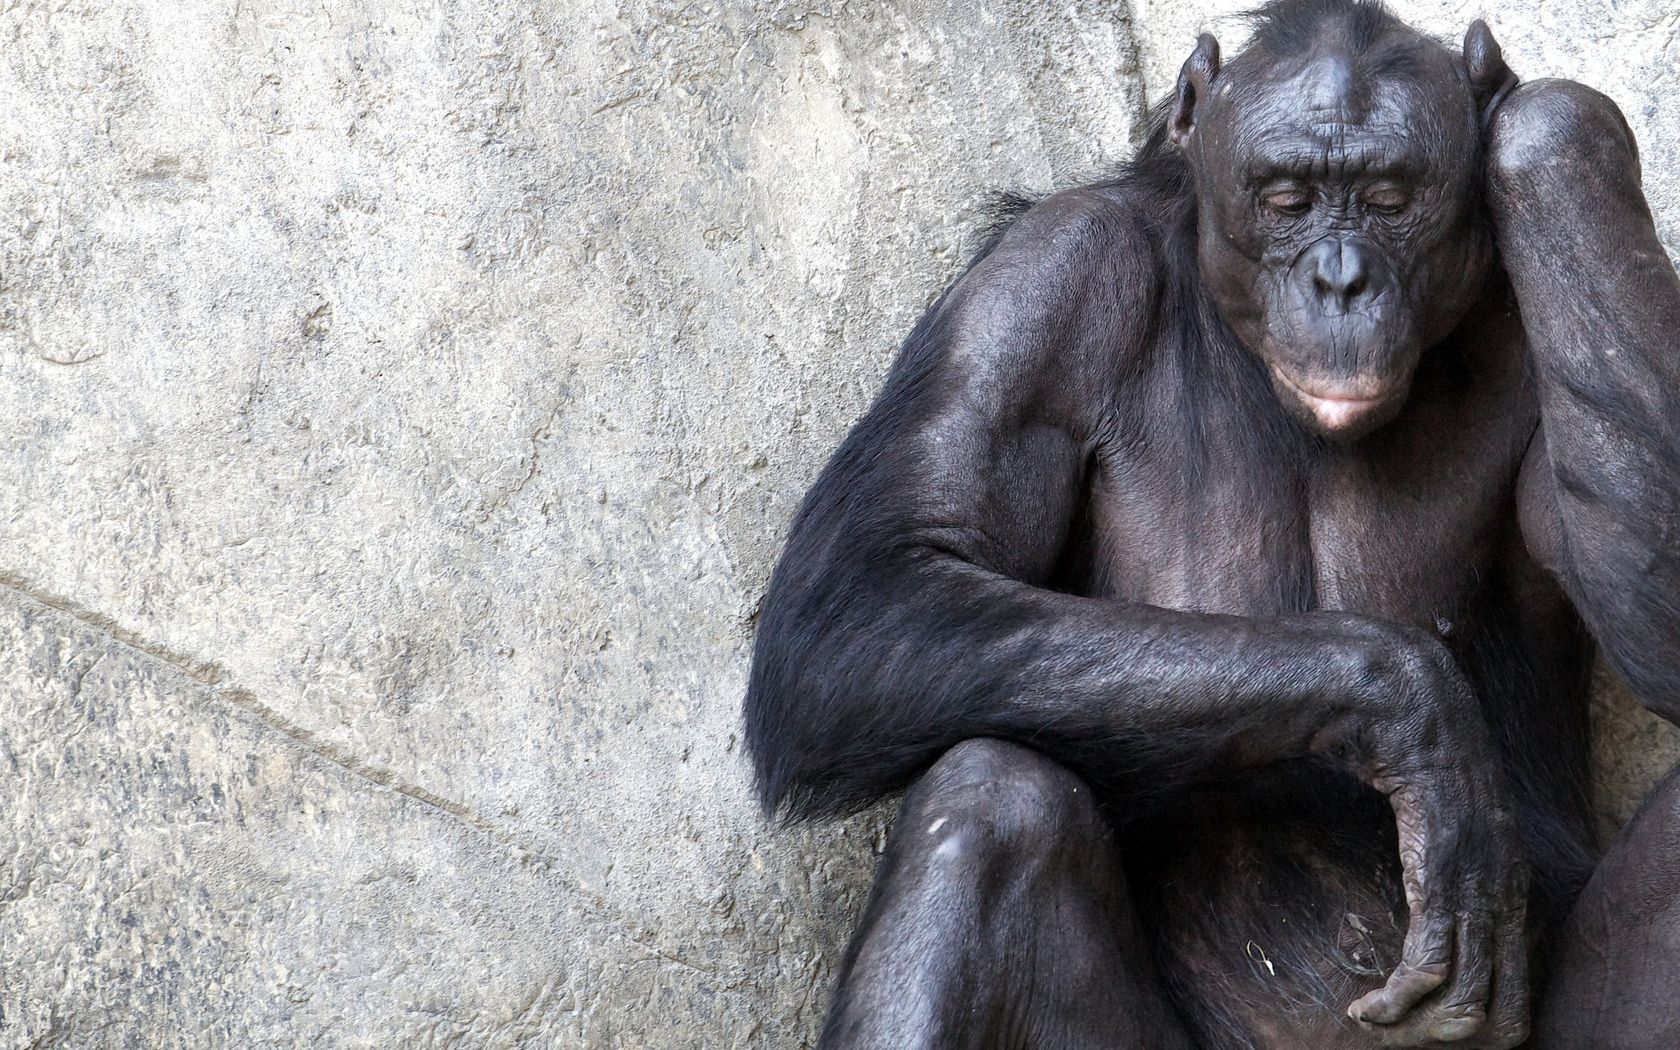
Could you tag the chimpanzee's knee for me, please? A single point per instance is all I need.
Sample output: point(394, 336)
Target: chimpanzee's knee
point(1613, 964)
point(990, 808)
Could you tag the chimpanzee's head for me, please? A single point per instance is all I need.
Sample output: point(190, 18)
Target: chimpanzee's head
point(1337, 170)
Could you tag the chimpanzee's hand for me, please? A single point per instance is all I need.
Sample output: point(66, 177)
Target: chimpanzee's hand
point(1463, 974)
point(1555, 148)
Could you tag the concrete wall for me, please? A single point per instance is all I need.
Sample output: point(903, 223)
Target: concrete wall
point(400, 407)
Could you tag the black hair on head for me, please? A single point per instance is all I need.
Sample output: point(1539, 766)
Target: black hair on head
point(1289, 27)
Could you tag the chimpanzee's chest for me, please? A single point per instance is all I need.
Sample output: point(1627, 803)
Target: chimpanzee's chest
point(1207, 498)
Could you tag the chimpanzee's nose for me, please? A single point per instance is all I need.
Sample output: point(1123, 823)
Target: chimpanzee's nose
point(1341, 272)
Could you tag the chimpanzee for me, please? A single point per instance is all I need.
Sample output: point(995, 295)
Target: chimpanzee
point(1221, 567)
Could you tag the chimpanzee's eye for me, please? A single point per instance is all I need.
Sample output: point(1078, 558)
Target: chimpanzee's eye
point(1387, 199)
point(1288, 200)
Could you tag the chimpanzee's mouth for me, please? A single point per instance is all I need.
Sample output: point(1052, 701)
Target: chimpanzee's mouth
point(1340, 410)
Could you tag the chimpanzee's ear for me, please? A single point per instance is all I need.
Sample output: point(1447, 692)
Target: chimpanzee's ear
point(1490, 78)
point(1193, 82)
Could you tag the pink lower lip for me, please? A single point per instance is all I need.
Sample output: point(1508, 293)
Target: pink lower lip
point(1353, 401)
point(1333, 411)
point(1337, 412)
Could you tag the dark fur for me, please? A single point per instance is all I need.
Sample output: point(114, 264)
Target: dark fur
point(1294, 26)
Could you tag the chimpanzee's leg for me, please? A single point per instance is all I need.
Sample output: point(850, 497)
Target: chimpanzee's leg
point(1000, 918)
point(1616, 978)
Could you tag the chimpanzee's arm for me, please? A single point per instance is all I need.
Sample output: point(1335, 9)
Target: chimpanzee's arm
point(908, 611)
point(1601, 307)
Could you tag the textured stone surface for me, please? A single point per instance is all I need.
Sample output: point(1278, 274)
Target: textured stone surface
point(400, 406)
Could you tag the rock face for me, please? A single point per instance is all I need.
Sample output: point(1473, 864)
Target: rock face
point(400, 409)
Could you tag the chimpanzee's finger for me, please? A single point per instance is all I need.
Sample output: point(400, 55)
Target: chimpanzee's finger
point(1508, 1014)
point(1462, 1007)
point(1425, 963)
point(1459, 1009)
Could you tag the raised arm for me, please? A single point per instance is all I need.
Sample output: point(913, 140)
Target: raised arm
point(1600, 302)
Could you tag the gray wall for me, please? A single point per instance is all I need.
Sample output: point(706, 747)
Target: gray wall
point(400, 406)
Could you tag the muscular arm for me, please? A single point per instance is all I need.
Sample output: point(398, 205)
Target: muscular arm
point(1601, 307)
point(909, 611)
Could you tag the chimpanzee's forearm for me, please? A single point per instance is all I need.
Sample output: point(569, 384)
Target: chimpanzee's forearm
point(858, 687)
point(1601, 307)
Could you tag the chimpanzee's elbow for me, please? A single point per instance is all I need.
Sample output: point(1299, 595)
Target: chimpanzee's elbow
point(813, 753)
point(827, 724)
point(796, 772)
point(776, 759)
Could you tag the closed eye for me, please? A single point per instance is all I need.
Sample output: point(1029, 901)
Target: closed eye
point(1387, 200)
point(1288, 201)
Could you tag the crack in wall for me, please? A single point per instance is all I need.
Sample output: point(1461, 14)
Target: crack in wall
point(215, 679)
point(532, 460)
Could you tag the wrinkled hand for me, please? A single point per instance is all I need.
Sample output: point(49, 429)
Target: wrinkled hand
point(1558, 144)
point(1463, 975)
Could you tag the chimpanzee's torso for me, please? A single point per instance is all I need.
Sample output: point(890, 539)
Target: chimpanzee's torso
point(1283, 887)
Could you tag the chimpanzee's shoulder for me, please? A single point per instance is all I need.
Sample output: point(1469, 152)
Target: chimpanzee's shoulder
point(1080, 272)
point(1095, 225)
point(1092, 251)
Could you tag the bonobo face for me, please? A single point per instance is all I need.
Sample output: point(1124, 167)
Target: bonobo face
point(1338, 220)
